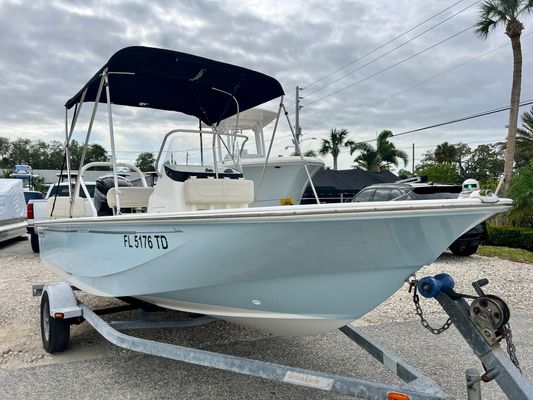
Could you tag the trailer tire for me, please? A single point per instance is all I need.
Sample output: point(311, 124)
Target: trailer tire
point(34, 240)
point(55, 333)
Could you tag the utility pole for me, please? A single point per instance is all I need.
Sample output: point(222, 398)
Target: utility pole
point(413, 161)
point(297, 115)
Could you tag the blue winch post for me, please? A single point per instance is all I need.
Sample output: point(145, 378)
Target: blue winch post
point(496, 363)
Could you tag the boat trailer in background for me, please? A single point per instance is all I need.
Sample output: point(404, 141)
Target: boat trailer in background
point(483, 324)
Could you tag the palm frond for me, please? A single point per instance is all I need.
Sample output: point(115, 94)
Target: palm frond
point(484, 27)
point(501, 10)
point(361, 147)
point(403, 156)
point(368, 160)
point(349, 143)
point(527, 8)
point(494, 13)
point(325, 149)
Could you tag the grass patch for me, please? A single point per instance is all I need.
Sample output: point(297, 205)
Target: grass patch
point(506, 252)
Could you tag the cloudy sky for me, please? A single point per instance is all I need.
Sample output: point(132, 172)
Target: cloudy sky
point(49, 49)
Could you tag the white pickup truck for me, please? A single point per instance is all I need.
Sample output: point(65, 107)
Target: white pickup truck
point(38, 210)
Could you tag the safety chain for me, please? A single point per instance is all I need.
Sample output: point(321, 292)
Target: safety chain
point(413, 286)
point(511, 350)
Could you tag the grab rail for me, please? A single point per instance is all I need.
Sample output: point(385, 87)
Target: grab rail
point(81, 182)
point(214, 133)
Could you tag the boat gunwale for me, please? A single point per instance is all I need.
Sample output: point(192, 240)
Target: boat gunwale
point(286, 212)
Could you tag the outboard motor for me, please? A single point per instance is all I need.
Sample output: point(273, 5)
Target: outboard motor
point(103, 184)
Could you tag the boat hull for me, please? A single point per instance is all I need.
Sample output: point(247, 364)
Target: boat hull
point(289, 271)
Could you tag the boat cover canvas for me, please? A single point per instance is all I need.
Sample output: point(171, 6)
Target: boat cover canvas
point(351, 179)
point(174, 81)
point(348, 182)
point(12, 204)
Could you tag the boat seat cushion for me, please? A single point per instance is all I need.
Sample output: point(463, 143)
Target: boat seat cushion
point(219, 191)
point(130, 197)
point(62, 207)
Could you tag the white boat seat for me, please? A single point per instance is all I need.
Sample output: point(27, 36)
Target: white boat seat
point(62, 207)
point(218, 193)
point(130, 197)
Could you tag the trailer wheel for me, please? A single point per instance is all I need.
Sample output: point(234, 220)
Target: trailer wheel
point(54, 332)
point(34, 240)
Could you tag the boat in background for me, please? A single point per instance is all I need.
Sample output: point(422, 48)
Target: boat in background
point(12, 209)
point(285, 178)
point(192, 242)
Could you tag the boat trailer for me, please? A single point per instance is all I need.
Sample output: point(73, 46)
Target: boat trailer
point(482, 323)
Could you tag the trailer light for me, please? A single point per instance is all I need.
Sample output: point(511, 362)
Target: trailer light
point(397, 396)
point(59, 315)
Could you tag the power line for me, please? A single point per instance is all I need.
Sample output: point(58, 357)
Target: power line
point(392, 50)
point(391, 66)
point(424, 81)
point(436, 76)
point(486, 141)
point(420, 83)
point(382, 45)
point(453, 121)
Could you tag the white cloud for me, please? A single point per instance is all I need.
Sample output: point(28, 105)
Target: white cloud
point(50, 49)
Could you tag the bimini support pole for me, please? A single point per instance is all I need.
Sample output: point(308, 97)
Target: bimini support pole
point(105, 76)
point(218, 134)
point(68, 134)
point(84, 151)
point(66, 155)
point(299, 150)
point(269, 150)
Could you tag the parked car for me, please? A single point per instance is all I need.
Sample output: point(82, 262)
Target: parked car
point(36, 209)
point(465, 245)
point(32, 195)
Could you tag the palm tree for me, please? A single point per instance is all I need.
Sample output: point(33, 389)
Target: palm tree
point(388, 152)
point(368, 158)
point(446, 153)
point(308, 153)
point(506, 12)
point(379, 158)
point(524, 140)
point(337, 140)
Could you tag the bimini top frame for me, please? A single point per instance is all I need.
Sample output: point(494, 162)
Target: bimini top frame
point(168, 80)
point(174, 81)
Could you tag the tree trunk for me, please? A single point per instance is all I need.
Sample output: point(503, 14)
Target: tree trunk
point(335, 163)
point(513, 117)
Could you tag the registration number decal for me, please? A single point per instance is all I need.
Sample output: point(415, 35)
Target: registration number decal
point(146, 241)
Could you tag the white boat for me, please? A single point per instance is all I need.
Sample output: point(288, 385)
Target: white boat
point(199, 248)
point(281, 179)
point(12, 209)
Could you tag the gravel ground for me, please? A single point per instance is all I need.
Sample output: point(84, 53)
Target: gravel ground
point(23, 362)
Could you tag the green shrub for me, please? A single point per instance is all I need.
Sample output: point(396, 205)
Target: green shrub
point(444, 173)
point(510, 236)
point(521, 191)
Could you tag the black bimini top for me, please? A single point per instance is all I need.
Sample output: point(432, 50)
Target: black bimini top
point(174, 81)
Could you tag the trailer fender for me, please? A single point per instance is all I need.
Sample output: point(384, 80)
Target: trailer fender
point(62, 300)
